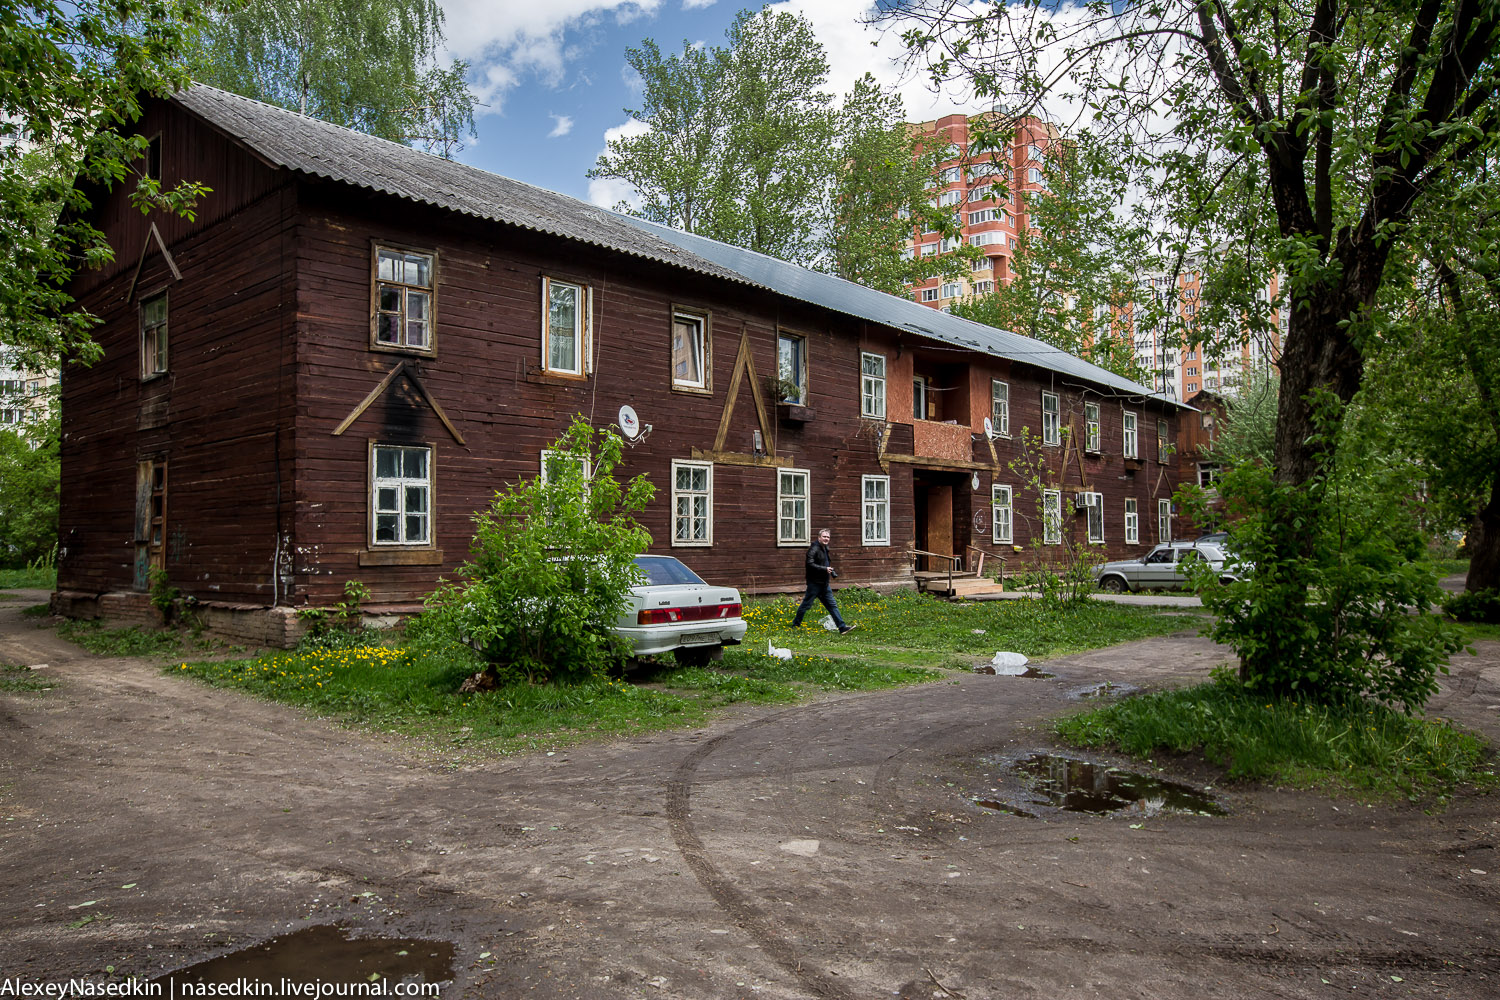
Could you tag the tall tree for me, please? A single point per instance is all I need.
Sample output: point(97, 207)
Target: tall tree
point(1353, 113)
point(358, 63)
point(1074, 274)
point(742, 144)
point(71, 76)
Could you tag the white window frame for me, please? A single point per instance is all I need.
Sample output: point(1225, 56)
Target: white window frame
point(679, 494)
point(800, 532)
point(919, 385)
point(699, 321)
point(1129, 430)
point(929, 294)
point(1000, 406)
point(1002, 515)
point(400, 484)
point(407, 292)
point(951, 289)
point(547, 453)
point(1163, 442)
point(1051, 517)
point(872, 385)
point(1132, 522)
point(1095, 506)
point(799, 374)
point(1091, 427)
point(581, 327)
point(875, 512)
point(1163, 520)
point(1051, 421)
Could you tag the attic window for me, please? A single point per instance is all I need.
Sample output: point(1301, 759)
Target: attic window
point(152, 165)
point(403, 299)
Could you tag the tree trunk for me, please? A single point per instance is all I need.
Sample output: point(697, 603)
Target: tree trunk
point(1484, 545)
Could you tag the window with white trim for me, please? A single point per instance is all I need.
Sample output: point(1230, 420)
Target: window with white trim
point(952, 289)
point(984, 215)
point(1091, 426)
point(986, 239)
point(982, 264)
point(1002, 517)
point(982, 193)
point(929, 295)
point(928, 249)
point(1051, 517)
point(876, 516)
point(400, 495)
point(872, 386)
point(1163, 443)
point(951, 175)
point(689, 350)
point(950, 198)
point(552, 464)
point(1132, 436)
point(1132, 523)
point(1000, 406)
point(791, 365)
point(1051, 419)
point(1208, 475)
point(692, 503)
point(154, 336)
point(565, 327)
point(983, 287)
point(1163, 520)
point(1094, 504)
point(403, 299)
point(919, 385)
point(791, 507)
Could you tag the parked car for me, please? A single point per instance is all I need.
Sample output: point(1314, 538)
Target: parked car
point(1219, 538)
point(674, 611)
point(1164, 567)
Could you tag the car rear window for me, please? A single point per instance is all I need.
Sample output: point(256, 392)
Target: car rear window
point(663, 571)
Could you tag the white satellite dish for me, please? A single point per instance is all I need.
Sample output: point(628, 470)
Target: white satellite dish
point(630, 424)
point(989, 427)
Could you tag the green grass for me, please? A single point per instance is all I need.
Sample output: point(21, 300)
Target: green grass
point(134, 640)
point(32, 578)
point(415, 692)
point(1449, 567)
point(1366, 747)
point(14, 678)
point(907, 628)
point(1477, 631)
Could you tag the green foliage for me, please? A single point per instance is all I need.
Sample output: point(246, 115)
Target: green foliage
point(1080, 257)
point(1064, 572)
point(340, 626)
point(38, 575)
point(15, 678)
point(1331, 624)
point(1248, 430)
point(163, 595)
point(552, 563)
point(132, 640)
point(29, 476)
point(1475, 606)
point(363, 65)
point(1302, 743)
point(745, 146)
point(70, 83)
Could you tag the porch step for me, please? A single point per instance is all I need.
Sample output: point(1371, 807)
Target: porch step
point(963, 587)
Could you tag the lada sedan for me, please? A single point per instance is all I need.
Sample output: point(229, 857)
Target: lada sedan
point(674, 611)
point(1164, 567)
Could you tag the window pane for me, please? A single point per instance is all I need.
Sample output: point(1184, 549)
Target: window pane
point(416, 499)
point(387, 463)
point(389, 267)
point(416, 528)
point(416, 463)
point(700, 479)
point(874, 364)
point(684, 478)
point(687, 350)
point(385, 528)
point(389, 329)
point(418, 270)
point(416, 305)
point(390, 298)
point(416, 334)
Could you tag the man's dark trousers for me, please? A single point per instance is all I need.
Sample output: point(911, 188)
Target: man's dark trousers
point(821, 590)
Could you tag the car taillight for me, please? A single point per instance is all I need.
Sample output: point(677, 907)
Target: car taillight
point(669, 616)
point(656, 616)
point(729, 611)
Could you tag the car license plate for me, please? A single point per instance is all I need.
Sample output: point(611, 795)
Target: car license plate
point(699, 638)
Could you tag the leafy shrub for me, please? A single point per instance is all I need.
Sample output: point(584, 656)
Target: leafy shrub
point(551, 564)
point(341, 626)
point(1474, 606)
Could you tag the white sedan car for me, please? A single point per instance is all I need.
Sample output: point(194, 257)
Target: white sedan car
point(675, 611)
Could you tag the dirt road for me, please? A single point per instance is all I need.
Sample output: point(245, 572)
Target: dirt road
point(826, 850)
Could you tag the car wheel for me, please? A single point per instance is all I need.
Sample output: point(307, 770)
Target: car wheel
point(1112, 585)
point(698, 656)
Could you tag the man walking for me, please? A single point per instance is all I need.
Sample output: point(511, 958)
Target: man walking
point(820, 577)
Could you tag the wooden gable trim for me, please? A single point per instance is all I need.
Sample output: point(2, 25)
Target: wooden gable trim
point(385, 383)
point(744, 363)
point(152, 233)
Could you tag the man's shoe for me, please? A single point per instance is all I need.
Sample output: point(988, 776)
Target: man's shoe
point(847, 629)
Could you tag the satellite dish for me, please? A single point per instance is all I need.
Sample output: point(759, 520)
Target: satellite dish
point(630, 424)
point(989, 427)
point(975, 480)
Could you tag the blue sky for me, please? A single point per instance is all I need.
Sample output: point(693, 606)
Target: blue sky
point(553, 75)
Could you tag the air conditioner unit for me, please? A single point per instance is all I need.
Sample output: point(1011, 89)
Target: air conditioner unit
point(1082, 500)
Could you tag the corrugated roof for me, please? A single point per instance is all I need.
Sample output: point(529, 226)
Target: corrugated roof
point(316, 148)
point(852, 299)
point(309, 146)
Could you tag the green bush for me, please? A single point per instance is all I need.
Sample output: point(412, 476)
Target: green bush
point(551, 564)
point(1474, 606)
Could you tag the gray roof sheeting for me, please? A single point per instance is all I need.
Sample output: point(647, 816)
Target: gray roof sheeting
point(309, 146)
point(316, 148)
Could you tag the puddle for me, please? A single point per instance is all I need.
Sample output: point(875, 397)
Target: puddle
point(324, 954)
point(1109, 689)
point(989, 668)
point(995, 805)
point(1075, 785)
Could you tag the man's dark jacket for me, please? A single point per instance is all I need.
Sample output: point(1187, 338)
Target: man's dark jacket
point(818, 564)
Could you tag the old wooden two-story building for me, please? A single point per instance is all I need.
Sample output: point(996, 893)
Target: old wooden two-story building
point(353, 344)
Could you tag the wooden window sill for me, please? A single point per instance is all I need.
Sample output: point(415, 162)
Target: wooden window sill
point(401, 557)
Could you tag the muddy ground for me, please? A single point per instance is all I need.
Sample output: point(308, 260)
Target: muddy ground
point(825, 850)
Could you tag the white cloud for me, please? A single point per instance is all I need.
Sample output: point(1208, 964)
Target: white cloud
point(696, 4)
point(607, 192)
point(504, 42)
point(564, 125)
